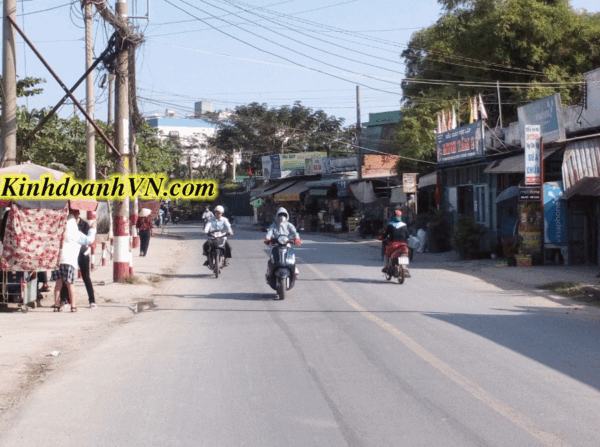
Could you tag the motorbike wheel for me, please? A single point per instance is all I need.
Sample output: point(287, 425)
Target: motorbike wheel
point(401, 276)
point(217, 263)
point(281, 288)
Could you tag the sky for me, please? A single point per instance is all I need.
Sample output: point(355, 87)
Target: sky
point(234, 52)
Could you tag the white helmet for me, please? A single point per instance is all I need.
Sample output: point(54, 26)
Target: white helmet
point(219, 209)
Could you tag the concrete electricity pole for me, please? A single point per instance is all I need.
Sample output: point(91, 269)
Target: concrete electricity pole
point(358, 132)
point(89, 100)
point(9, 85)
point(122, 253)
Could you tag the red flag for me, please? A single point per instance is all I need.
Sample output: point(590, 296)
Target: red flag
point(250, 171)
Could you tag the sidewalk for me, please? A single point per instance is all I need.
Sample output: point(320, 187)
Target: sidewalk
point(33, 343)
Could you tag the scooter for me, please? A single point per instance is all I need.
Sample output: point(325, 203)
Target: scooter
point(399, 261)
point(216, 254)
point(281, 269)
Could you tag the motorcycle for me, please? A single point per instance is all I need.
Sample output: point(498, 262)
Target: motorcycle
point(365, 226)
point(399, 261)
point(281, 269)
point(216, 254)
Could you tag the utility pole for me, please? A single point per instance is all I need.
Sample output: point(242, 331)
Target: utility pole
point(89, 100)
point(90, 166)
point(9, 85)
point(358, 132)
point(233, 166)
point(111, 98)
point(122, 254)
point(499, 103)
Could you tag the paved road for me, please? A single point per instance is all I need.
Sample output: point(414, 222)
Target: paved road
point(347, 359)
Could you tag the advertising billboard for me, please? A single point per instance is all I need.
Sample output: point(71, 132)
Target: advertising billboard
point(555, 215)
point(461, 143)
point(547, 113)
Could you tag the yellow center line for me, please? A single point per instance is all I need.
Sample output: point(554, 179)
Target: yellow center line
point(473, 389)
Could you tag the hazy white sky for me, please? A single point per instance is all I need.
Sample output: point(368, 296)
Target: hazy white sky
point(234, 52)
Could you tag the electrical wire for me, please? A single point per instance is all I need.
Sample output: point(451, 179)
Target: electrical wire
point(281, 57)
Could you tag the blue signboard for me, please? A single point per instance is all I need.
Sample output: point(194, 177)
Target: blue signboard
point(461, 143)
point(547, 113)
point(555, 215)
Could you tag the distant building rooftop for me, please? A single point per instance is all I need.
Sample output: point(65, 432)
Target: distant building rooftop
point(179, 122)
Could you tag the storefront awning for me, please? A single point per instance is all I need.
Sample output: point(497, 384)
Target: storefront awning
point(274, 189)
point(587, 186)
point(428, 180)
point(512, 165)
point(291, 194)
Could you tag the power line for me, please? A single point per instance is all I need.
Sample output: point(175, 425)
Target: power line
point(276, 55)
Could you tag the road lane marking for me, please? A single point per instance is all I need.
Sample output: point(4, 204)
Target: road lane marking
point(517, 418)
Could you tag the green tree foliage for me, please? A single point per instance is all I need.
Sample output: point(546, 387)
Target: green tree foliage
point(27, 87)
point(61, 143)
point(257, 130)
point(477, 41)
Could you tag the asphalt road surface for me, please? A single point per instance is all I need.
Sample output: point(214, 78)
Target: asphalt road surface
point(347, 359)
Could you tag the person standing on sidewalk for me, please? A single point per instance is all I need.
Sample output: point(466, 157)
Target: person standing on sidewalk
point(73, 240)
point(144, 226)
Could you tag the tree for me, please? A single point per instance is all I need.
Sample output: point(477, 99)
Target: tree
point(257, 130)
point(478, 42)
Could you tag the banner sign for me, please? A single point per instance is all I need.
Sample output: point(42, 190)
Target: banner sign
point(318, 165)
point(287, 165)
point(347, 164)
point(555, 215)
point(547, 113)
point(409, 182)
point(529, 195)
point(533, 174)
point(460, 144)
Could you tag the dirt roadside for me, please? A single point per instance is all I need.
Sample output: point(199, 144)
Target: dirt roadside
point(35, 343)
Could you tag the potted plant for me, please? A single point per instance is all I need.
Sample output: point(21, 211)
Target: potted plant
point(467, 237)
point(438, 231)
point(510, 249)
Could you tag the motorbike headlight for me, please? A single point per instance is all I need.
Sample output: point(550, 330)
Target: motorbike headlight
point(283, 239)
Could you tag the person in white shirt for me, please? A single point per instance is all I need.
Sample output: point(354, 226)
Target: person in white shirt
point(207, 215)
point(218, 223)
point(72, 242)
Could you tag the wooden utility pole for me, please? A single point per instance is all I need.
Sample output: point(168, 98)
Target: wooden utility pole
point(358, 132)
point(89, 91)
point(122, 253)
point(9, 85)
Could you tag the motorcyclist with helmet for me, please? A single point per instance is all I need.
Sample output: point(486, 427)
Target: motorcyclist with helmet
point(396, 234)
point(280, 226)
point(221, 224)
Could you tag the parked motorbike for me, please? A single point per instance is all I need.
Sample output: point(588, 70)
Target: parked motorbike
point(281, 269)
point(216, 254)
point(365, 226)
point(399, 261)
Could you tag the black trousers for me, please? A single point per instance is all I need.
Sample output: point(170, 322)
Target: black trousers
point(84, 267)
point(144, 240)
point(206, 248)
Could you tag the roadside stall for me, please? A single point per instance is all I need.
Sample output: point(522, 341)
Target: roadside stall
point(33, 232)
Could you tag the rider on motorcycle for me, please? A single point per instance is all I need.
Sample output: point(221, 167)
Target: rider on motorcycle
point(207, 215)
point(396, 234)
point(218, 223)
point(280, 226)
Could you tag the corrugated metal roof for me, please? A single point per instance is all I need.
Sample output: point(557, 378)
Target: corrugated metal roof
point(587, 186)
point(292, 193)
point(581, 160)
point(428, 180)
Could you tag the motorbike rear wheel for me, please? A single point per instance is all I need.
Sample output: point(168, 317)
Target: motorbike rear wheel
point(401, 275)
point(217, 263)
point(281, 286)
